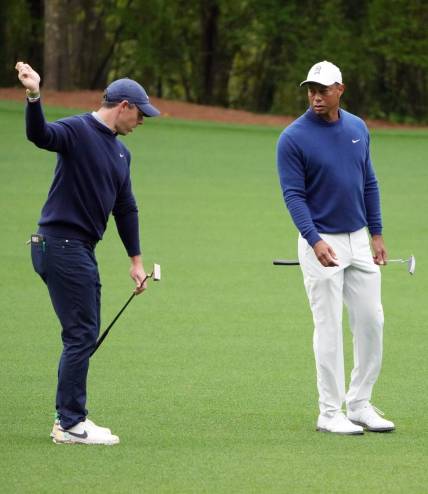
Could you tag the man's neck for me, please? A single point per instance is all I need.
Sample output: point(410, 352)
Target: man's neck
point(332, 116)
point(106, 117)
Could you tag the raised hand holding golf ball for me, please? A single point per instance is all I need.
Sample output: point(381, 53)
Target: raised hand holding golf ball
point(29, 78)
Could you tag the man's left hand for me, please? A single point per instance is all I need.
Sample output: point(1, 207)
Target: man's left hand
point(380, 255)
point(138, 274)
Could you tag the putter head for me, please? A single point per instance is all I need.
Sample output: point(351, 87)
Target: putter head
point(411, 265)
point(156, 275)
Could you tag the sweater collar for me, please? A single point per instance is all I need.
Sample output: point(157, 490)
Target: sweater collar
point(320, 121)
point(96, 120)
point(97, 117)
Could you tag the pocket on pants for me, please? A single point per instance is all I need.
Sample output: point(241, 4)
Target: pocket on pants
point(38, 259)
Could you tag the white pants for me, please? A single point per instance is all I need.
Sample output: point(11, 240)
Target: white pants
point(355, 282)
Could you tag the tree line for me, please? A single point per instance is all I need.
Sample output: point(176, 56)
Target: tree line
point(248, 54)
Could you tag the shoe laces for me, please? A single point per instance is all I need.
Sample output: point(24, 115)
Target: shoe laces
point(377, 410)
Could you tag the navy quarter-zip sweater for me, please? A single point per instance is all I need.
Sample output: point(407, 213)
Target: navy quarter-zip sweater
point(326, 176)
point(91, 179)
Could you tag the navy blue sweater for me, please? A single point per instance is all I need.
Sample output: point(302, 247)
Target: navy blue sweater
point(327, 177)
point(91, 180)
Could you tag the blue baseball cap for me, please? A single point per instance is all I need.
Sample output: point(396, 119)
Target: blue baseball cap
point(127, 89)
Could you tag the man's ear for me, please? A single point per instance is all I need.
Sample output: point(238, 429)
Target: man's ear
point(123, 105)
point(342, 88)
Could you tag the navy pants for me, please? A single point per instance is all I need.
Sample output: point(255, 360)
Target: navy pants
point(70, 271)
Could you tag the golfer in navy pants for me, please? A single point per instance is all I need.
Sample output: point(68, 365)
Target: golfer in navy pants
point(91, 180)
point(69, 269)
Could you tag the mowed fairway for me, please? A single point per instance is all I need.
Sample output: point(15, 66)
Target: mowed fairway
point(208, 378)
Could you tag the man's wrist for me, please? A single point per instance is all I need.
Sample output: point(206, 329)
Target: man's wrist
point(136, 260)
point(33, 95)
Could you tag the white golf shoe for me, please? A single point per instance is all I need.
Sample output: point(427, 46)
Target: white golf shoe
point(369, 418)
point(88, 423)
point(84, 433)
point(338, 424)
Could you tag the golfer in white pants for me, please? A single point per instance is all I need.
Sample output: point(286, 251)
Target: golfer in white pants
point(332, 194)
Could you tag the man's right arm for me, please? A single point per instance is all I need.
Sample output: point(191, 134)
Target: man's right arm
point(292, 179)
point(51, 136)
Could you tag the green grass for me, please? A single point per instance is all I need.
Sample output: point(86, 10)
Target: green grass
point(208, 377)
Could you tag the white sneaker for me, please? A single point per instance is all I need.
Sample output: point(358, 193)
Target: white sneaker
point(81, 433)
point(368, 417)
point(88, 423)
point(55, 426)
point(338, 424)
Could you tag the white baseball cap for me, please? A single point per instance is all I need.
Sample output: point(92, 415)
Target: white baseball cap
point(324, 73)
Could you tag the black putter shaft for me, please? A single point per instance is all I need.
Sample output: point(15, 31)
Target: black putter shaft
point(106, 332)
point(286, 262)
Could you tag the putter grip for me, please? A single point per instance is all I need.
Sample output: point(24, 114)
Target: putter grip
point(286, 262)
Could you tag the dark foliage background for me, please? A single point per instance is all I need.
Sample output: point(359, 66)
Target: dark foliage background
point(248, 54)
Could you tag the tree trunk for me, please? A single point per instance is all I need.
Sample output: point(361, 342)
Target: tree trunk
point(56, 63)
point(209, 32)
point(36, 45)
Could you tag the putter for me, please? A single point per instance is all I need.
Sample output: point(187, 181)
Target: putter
point(155, 276)
point(411, 263)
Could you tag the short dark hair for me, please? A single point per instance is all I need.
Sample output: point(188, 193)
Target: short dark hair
point(113, 104)
point(108, 104)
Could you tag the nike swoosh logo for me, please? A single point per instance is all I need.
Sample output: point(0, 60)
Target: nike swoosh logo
point(354, 141)
point(121, 155)
point(75, 434)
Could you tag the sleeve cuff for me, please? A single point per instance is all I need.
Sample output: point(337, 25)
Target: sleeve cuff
point(313, 238)
point(33, 100)
point(375, 231)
